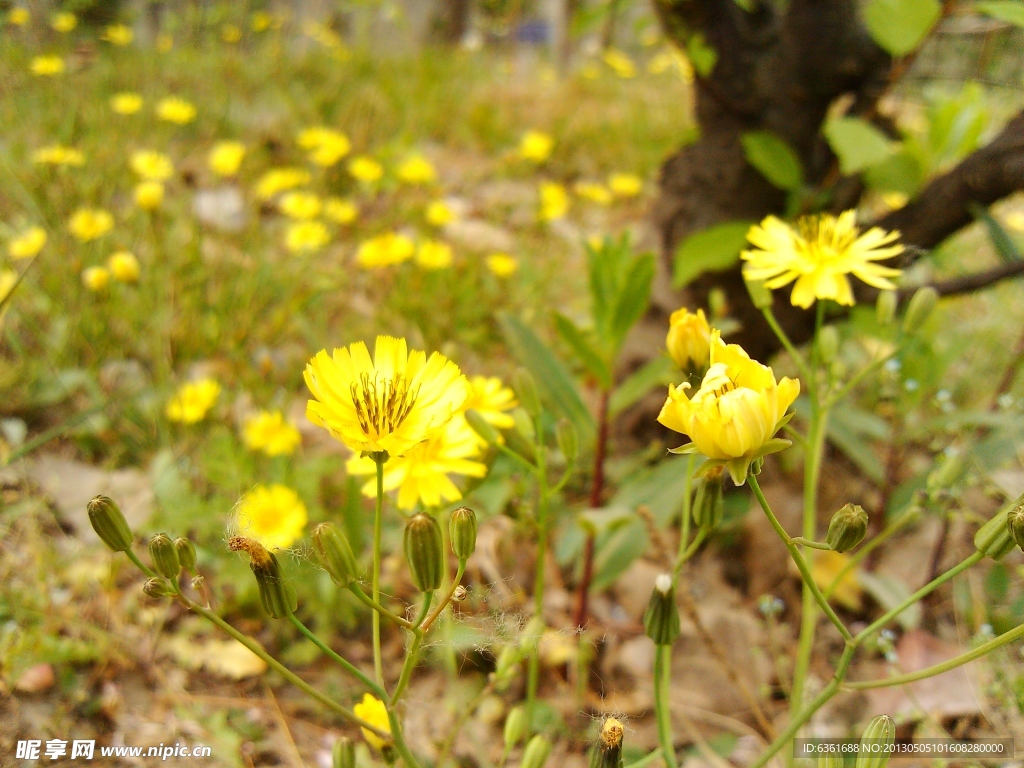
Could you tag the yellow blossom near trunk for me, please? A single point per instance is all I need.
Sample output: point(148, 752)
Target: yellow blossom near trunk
point(192, 401)
point(625, 184)
point(274, 515)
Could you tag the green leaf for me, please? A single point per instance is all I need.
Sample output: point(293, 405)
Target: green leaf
point(620, 550)
point(632, 298)
point(774, 158)
point(900, 172)
point(660, 371)
point(1001, 240)
point(584, 350)
point(857, 144)
point(899, 26)
point(1006, 10)
point(710, 250)
point(554, 381)
point(701, 54)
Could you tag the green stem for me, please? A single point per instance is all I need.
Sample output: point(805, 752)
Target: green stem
point(662, 671)
point(533, 668)
point(378, 666)
point(684, 523)
point(522, 460)
point(448, 588)
point(648, 758)
point(688, 552)
point(871, 367)
point(413, 654)
point(368, 601)
point(425, 626)
point(800, 540)
point(139, 564)
point(399, 740)
point(787, 344)
point(379, 692)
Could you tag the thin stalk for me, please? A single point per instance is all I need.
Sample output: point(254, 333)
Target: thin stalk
point(425, 626)
point(648, 758)
point(413, 654)
point(447, 587)
point(368, 602)
point(687, 553)
point(684, 523)
point(662, 670)
point(787, 344)
point(139, 564)
point(596, 492)
point(379, 692)
point(801, 541)
point(378, 518)
point(533, 668)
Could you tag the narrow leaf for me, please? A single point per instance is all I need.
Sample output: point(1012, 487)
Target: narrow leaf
point(631, 302)
point(659, 372)
point(584, 350)
point(774, 158)
point(710, 250)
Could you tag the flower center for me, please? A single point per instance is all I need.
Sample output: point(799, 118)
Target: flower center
point(381, 406)
point(821, 240)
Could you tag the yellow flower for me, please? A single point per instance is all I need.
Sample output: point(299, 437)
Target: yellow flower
point(340, 211)
point(502, 265)
point(689, 340)
point(489, 397)
point(268, 431)
point(126, 103)
point(385, 250)
point(300, 205)
point(175, 110)
point(554, 201)
point(595, 193)
point(536, 146)
point(325, 145)
point(192, 401)
point(390, 403)
point(374, 712)
point(421, 474)
point(439, 213)
point(230, 33)
point(47, 66)
point(275, 516)
point(260, 21)
point(27, 244)
point(732, 418)
point(278, 180)
point(306, 236)
point(433, 254)
point(124, 266)
point(64, 22)
point(365, 169)
point(226, 157)
point(416, 170)
point(149, 195)
point(58, 155)
point(118, 34)
point(152, 166)
point(894, 200)
point(625, 184)
point(8, 279)
point(1015, 221)
point(95, 278)
point(818, 254)
point(90, 223)
point(620, 63)
point(18, 16)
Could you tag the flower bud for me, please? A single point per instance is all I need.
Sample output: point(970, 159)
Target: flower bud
point(277, 596)
point(506, 666)
point(344, 753)
point(482, 427)
point(708, 506)
point(459, 594)
point(164, 556)
point(607, 753)
point(828, 343)
point(847, 528)
point(424, 551)
point(515, 727)
point(157, 589)
point(462, 529)
point(186, 554)
point(760, 296)
point(920, 307)
point(873, 755)
point(531, 635)
point(335, 554)
point(109, 524)
point(524, 425)
point(526, 391)
point(994, 539)
point(536, 752)
point(568, 440)
point(885, 307)
point(1015, 524)
point(661, 620)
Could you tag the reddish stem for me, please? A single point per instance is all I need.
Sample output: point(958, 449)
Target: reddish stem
point(596, 491)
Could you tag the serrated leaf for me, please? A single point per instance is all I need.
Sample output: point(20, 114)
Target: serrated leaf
point(581, 345)
point(774, 158)
point(899, 26)
point(660, 371)
point(857, 144)
point(632, 298)
point(710, 250)
point(1005, 10)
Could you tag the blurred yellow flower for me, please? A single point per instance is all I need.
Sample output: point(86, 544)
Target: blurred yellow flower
point(620, 63)
point(365, 169)
point(273, 515)
point(18, 16)
point(385, 250)
point(689, 340)
point(625, 184)
point(502, 265)
point(1015, 221)
point(58, 155)
point(259, 21)
point(124, 266)
point(230, 33)
point(47, 66)
point(192, 401)
point(118, 34)
point(434, 254)
point(151, 165)
point(64, 22)
point(8, 279)
point(175, 110)
point(306, 236)
point(90, 223)
point(278, 180)
point(126, 103)
point(300, 205)
point(536, 146)
point(325, 145)
point(226, 157)
point(390, 403)
point(826, 566)
point(269, 432)
point(340, 211)
point(671, 58)
point(149, 195)
point(416, 169)
point(894, 200)
point(489, 397)
point(595, 193)
point(95, 278)
point(732, 418)
point(27, 244)
point(554, 201)
point(439, 213)
point(375, 713)
point(818, 253)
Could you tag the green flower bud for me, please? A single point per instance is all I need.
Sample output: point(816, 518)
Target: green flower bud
point(277, 596)
point(482, 427)
point(109, 524)
point(344, 753)
point(335, 554)
point(536, 752)
point(164, 556)
point(760, 296)
point(947, 473)
point(994, 539)
point(424, 551)
point(462, 529)
point(661, 620)
point(157, 589)
point(526, 391)
point(1015, 523)
point(607, 753)
point(920, 307)
point(568, 440)
point(506, 666)
point(524, 425)
point(515, 727)
point(847, 528)
point(885, 307)
point(531, 635)
point(828, 343)
point(708, 506)
point(880, 729)
point(186, 554)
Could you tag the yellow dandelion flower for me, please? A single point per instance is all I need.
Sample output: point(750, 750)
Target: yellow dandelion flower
point(18, 16)
point(192, 401)
point(47, 66)
point(306, 236)
point(175, 110)
point(149, 195)
point(736, 412)
point(278, 180)
point(894, 200)
point(689, 340)
point(271, 433)
point(300, 205)
point(536, 146)
point(118, 34)
point(124, 266)
point(126, 103)
point(502, 265)
point(95, 278)
point(416, 169)
point(273, 515)
point(90, 223)
point(390, 403)
point(373, 711)
point(59, 155)
point(64, 22)
point(365, 169)
point(1015, 221)
point(439, 213)
point(340, 211)
point(385, 250)
point(620, 63)
point(230, 33)
point(818, 253)
point(27, 244)
point(226, 157)
point(595, 193)
point(152, 166)
point(625, 184)
point(434, 254)
point(325, 145)
point(554, 201)
point(490, 398)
